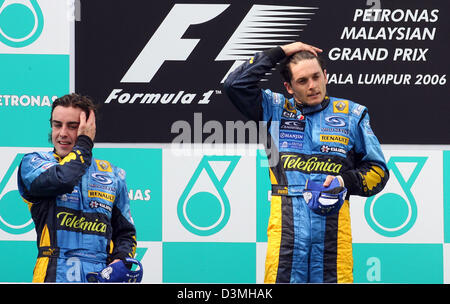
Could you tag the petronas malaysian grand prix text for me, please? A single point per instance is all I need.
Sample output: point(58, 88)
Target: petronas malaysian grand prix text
point(396, 25)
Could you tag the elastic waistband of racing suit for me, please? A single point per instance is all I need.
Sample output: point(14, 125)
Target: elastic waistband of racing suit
point(87, 255)
point(287, 190)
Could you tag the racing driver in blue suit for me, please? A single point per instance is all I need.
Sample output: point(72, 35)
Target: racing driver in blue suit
point(313, 138)
point(79, 204)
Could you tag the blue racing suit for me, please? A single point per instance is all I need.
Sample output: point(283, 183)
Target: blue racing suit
point(332, 138)
point(81, 212)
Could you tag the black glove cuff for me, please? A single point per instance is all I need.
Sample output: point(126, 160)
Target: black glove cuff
point(85, 142)
point(275, 54)
point(117, 255)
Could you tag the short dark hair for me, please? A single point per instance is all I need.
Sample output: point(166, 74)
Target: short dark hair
point(285, 70)
point(75, 100)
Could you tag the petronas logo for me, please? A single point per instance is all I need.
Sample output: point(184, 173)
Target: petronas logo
point(394, 214)
point(14, 215)
point(204, 207)
point(21, 22)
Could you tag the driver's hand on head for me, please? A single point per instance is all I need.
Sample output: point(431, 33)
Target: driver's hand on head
point(298, 46)
point(87, 126)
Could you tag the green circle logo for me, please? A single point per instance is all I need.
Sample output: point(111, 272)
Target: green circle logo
point(20, 23)
point(14, 214)
point(204, 213)
point(392, 214)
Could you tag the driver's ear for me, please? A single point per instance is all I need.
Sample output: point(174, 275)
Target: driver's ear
point(288, 87)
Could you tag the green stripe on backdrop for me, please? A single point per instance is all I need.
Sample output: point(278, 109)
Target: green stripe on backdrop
point(209, 262)
point(398, 263)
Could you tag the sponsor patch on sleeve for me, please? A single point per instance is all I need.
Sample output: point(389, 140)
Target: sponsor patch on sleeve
point(340, 106)
point(103, 165)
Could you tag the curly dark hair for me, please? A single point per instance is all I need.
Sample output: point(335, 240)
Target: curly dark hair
point(75, 100)
point(285, 69)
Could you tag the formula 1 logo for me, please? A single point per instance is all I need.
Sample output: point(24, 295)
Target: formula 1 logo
point(206, 212)
point(172, 58)
point(166, 42)
point(14, 215)
point(264, 26)
point(21, 22)
point(394, 214)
